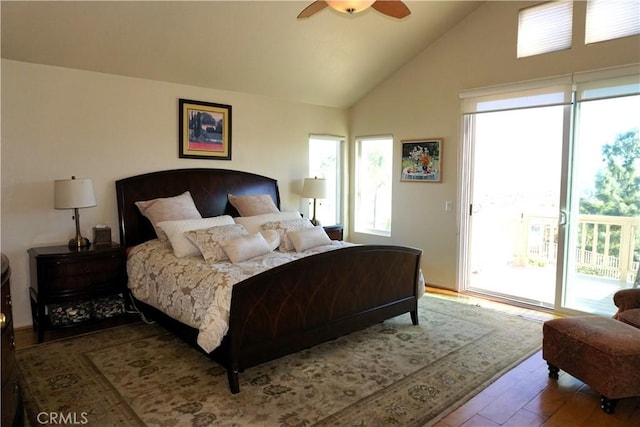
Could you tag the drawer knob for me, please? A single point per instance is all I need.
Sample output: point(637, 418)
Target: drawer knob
point(3, 321)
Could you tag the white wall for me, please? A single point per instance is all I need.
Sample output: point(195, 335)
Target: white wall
point(421, 101)
point(58, 122)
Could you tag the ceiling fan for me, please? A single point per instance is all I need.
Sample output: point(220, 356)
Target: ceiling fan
point(393, 8)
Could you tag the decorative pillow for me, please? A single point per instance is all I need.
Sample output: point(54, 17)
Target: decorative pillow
point(308, 238)
point(168, 209)
point(175, 232)
point(244, 248)
point(208, 240)
point(253, 205)
point(253, 224)
point(272, 237)
point(284, 227)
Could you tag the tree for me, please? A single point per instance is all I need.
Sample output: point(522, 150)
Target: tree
point(617, 187)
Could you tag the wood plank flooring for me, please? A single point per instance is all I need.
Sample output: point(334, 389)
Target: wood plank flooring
point(526, 397)
point(523, 397)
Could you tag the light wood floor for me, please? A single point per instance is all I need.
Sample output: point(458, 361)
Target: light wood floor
point(526, 397)
point(523, 397)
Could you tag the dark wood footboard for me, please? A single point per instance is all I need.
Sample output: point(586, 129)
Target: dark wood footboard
point(318, 298)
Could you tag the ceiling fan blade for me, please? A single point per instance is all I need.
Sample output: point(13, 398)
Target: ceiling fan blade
point(393, 8)
point(313, 8)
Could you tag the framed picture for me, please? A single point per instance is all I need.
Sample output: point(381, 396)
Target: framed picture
point(204, 130)
point(422, 160)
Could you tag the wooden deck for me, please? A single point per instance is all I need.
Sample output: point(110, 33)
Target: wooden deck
point(535, 286)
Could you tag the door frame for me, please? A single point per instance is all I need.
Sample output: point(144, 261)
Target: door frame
point(577, 87)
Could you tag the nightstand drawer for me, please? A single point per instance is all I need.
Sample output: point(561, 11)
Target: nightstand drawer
point(69, 286)
point(72, 275)
point(6, 306)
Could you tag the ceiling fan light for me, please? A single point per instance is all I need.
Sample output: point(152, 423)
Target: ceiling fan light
point(350, 6)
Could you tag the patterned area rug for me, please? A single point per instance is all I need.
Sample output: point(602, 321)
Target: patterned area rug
point(392, 373)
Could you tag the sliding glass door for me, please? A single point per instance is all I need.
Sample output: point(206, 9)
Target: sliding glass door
point(551, 189)
point(517, 161)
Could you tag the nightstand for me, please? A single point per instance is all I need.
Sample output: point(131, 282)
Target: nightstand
point(75, 279)
point(335, 232)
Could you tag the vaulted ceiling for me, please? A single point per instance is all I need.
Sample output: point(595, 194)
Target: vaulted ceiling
point(256, 47)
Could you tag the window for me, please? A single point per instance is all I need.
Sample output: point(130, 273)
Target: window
point(545, 28)
point(607, 19)
point(325, 160)
point(374, 160)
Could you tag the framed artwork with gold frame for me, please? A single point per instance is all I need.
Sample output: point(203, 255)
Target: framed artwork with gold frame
point(204, 130)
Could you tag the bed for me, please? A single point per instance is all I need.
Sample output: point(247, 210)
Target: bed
point(286, 308)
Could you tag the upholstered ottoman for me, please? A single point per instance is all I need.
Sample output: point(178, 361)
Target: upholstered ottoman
point(601, 352)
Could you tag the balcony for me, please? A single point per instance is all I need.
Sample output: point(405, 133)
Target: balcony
point(605, 247)
point(603, 258)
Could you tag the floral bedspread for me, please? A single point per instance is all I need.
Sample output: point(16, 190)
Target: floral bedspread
point(193, 291)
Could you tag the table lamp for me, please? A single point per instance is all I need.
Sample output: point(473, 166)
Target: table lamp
point(314, 188)
point(74, 194)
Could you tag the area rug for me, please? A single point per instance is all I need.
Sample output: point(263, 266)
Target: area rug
point(393, 373)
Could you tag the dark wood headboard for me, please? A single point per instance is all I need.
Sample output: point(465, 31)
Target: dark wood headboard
point(208, 187)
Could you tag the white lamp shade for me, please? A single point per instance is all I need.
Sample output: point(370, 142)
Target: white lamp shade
point(314, 188)
point(73, 193)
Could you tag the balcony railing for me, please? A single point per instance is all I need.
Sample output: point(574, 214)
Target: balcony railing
point(605, 246)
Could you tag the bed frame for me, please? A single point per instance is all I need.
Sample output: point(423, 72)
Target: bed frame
point(290, 307)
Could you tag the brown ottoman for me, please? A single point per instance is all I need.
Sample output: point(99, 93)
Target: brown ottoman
point(601, 352)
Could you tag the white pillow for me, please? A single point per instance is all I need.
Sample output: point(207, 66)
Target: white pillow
point(253, 224)
point(308, 238)
point(272, 237)
point(254, 204)
point(168, 209)
point(284, 227)
point(175, 232)
point(208, 240)
point(244, 248)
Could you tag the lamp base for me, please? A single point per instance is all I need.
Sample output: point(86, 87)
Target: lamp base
point(79, 242)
